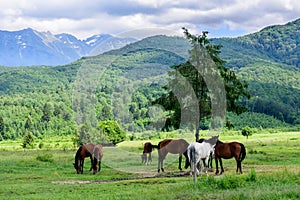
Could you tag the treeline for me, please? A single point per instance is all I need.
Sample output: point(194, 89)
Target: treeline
point(40, 113)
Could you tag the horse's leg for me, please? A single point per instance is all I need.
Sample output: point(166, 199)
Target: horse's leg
point(207, 164)
point(217, 167)
point(163, 155)
point(159, 161)
point(150, 158)
point(200, 163)
point(91, 158)
point(238, 166)
point(162, 165)
point(99, 165)
point(81, 165)
point(210, 160)
point(221, 165)
point(180, 159)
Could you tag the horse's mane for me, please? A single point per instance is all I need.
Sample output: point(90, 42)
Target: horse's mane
point(213, 140)
point(220, 142)
point(78, 155)
point(78, 152)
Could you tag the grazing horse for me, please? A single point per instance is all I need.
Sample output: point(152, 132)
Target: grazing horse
point(148, 147)
point(172, 146)
point(227, 151)
point(83, 152)
point(198, 151)
point(97, 157)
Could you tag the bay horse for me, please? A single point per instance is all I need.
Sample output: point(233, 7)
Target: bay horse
point(148, 147)
point(83, 152)
point(172, 146)
point(198, 151)
point(97, 158)
point(227, 151)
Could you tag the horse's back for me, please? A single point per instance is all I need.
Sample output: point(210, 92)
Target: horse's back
point(227, 150)
point(202, 150)
point(89, 147)
point(174, 146)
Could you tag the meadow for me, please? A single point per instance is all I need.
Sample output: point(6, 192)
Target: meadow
point(271, 171)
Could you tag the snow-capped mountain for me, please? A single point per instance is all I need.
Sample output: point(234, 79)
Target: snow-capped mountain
point(29, 47)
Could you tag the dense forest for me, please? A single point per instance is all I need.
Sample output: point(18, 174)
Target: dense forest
point(122, 84)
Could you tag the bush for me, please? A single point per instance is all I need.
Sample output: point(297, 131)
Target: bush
point(112, 131)
point(28, 140)
point(247, 131)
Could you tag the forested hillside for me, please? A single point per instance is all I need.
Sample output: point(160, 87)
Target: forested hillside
point(40, 100)
point(278, 43)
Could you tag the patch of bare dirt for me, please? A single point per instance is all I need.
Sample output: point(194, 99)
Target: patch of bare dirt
point(143, 175)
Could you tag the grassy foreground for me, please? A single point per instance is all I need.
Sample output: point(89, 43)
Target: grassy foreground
point(271, 171)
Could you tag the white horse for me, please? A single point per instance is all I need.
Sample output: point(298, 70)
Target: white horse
point(198, 151)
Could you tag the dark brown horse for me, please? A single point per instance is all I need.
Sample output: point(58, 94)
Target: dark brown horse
point(175, 147)
point(97, 157)
point(148, 147)
point(227, 151)
point(83, 152)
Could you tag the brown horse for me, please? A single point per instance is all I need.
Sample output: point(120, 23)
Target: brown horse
point(175, 147)
point(83, 152)
point(148, 147)
point(227, 151)
point(97, 157)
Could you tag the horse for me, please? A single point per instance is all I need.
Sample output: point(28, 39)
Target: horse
point(148, 147)
point(97, 157)
point(198, 151)
point(88, 150)
point(172, 146)
point(83, 152)
point(227, 151)
point(211, 156)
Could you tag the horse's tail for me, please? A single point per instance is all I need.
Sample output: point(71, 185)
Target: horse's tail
point(191, 155)
point(243, 152)
point(154, 146)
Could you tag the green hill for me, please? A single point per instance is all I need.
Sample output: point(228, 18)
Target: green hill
point(278, 43)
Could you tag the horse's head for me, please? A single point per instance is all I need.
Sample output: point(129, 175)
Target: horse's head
point(95, 169)
point(77, 168)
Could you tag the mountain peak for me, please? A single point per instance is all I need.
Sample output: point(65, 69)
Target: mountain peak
point(30, 47)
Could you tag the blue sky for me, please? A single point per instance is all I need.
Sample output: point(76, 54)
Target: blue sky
point(84, 18)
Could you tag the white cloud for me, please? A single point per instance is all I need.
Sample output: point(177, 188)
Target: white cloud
point(84, 18)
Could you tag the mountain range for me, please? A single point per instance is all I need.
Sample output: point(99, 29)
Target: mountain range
point(30, 47)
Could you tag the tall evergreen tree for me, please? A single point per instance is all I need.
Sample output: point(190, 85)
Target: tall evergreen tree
point(203, 77)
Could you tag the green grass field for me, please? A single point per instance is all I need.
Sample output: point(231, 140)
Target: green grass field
point(271, 171)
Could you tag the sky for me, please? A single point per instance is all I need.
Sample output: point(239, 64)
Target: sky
point(84, 18)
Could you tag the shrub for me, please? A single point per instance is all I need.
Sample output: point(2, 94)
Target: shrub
point(47, 157)
point(112, 131)
point(28, 140)
point(247, 131)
